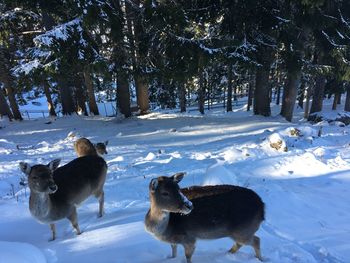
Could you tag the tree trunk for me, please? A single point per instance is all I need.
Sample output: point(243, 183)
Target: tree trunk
point(317, 98)
point(278, 95)
point(229, 88)
point(123, 93)
point(262, 87)
point(290, 95)
point(68, 105)
point(80, 96)
point(262, 92)
point(301, 94)
point(250, 96)
point(90, 91)
point(182, 92)
point(335, 101)
point(201, 91)
point(134, 30)
point(307, 102)
point(201, 88)
point(121, 59)
point(50, 104)
point(13, 103)
point(235, 93)
point(347, 100)
point(4, 107)
point(141, 94)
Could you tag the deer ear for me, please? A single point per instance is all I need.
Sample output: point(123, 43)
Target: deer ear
point(106, 142)
point(153, 184)
point(178, 177)
point(25, 167)
point(54, 164)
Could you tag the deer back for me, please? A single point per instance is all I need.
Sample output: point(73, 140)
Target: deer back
point(218, 211)
point(79, 179)
point(84, 147)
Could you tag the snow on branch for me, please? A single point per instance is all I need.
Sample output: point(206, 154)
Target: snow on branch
point(61, 32)
point(331, 41)
point(16, 13)
point(346, 23)
point(282, 19)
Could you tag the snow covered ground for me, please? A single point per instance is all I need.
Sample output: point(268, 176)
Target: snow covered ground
point(306, 188)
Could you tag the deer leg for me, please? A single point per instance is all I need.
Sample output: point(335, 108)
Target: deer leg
point(101, 199)
point(256, 246)
point(189, 249)
point(173, 250)
point(53, 231)
point(235, 248)
point(73, 218)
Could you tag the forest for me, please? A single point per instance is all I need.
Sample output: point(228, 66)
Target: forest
point(143, 54)
point(172, 131)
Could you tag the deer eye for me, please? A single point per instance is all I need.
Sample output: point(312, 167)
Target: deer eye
point(165, 194)
point(35, 177)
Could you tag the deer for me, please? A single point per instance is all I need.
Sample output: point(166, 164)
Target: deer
point(84, 146)
point(181, 216)
point(55, 192)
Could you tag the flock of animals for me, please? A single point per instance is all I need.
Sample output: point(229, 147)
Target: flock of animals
point(176, 216)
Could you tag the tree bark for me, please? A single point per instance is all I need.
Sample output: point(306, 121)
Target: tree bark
point(317, 98)
point(90, 91)
point(13, 103)
point(278, 95)
point(134, 30)
point(141, 93)
point(4, 107)
point(123, 93)
point(68, 105)
point(80, 96)
point(307, 102)
point(201, 95)
point(301, 94)
point(182, 92)
point(201, 87)
point(347, 100)
point(120, 55)
point(337, 95)
point(50, 104)
point(262, 87)
point(229, 88)
point(290, 95)
point(250, 96)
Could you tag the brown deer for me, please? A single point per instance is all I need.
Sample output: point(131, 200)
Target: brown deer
point(85, 147)
point(56, 192)
point(181, 216)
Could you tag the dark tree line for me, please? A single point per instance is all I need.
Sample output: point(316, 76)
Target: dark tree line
point(169, 52)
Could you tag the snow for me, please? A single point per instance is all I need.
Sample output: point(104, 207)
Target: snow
point(306, 189)
point(59, 32)
point(16, 252)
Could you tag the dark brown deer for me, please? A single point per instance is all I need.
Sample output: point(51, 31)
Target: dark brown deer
point(181, 216)
point(84, 147)
point(55, 192)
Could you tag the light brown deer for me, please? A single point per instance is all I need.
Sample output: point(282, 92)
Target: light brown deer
point(56, 192)
point(181, 216)
point(84, 146)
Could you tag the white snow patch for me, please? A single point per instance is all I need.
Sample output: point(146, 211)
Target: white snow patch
point(16, 252)
point(217, 174)
point(150, 156)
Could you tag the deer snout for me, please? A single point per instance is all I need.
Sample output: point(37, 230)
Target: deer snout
point(53, 188)
point(187, 205)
